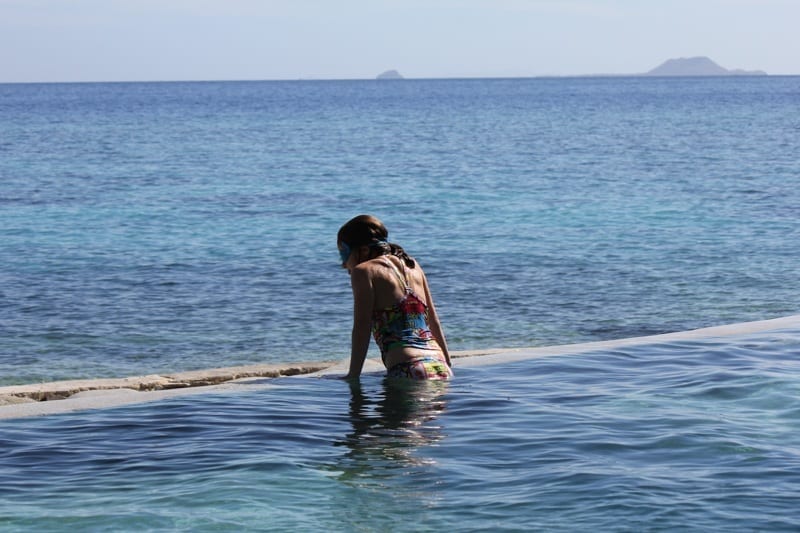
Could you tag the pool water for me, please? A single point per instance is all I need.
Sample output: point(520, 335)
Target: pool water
point(699, 434)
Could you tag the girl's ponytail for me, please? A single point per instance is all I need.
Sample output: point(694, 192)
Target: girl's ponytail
point(397, 251)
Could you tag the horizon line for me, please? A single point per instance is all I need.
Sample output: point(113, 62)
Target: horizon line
point(403, 78)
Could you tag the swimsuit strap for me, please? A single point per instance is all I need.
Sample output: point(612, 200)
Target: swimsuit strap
point(402, 277)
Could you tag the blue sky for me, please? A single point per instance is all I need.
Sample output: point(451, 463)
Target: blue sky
point(121, 40)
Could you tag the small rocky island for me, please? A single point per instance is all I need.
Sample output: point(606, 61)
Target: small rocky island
point(698, 66)
point(389, 75)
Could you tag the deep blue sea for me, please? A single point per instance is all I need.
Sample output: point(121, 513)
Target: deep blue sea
point(154, 227)
point(157, 227)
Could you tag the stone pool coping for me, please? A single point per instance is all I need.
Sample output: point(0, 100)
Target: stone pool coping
point(17, 401)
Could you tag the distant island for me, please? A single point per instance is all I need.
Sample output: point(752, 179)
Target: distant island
point(389, 75)
point(698, 66)
point(682, 66)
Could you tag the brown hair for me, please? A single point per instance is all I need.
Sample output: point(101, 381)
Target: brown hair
point(367, 230)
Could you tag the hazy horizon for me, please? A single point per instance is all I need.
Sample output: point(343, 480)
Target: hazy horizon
point(213, 40)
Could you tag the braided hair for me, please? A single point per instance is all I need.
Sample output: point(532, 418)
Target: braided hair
point(367, 230)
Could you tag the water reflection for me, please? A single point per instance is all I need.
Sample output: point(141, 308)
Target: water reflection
point(390, 425)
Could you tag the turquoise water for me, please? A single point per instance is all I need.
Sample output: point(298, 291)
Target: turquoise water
point(159, 227)
point(699, 435)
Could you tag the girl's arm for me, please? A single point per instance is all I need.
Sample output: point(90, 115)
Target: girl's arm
point(436, 326)
point(362, 319)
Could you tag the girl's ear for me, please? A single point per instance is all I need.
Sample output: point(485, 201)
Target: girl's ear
point(362, 253)
point(359, 254)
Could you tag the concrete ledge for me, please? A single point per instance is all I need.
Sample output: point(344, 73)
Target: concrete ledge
point(19, 401)
point(60, 390)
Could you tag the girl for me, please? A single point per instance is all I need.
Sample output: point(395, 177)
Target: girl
point(392, 300)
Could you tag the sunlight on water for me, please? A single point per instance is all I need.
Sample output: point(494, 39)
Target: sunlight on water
point(160, 227)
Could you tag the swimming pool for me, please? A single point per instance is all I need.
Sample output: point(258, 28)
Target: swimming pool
point(699, 434)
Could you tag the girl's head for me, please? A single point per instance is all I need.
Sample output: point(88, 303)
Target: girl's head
point(367, 235)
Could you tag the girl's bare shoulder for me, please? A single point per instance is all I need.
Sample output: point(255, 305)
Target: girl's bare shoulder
point(373, 268)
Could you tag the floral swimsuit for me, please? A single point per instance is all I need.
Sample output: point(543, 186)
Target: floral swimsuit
point(405, 324)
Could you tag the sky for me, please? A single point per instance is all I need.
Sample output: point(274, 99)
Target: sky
point(176, 40)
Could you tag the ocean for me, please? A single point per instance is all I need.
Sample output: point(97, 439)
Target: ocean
point(160, 227)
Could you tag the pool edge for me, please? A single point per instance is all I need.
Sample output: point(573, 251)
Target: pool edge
point(22, 401)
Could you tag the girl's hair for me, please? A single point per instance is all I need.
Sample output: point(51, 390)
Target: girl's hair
point(367, 230)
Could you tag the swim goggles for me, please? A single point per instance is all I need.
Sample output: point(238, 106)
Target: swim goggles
point(344, 252)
